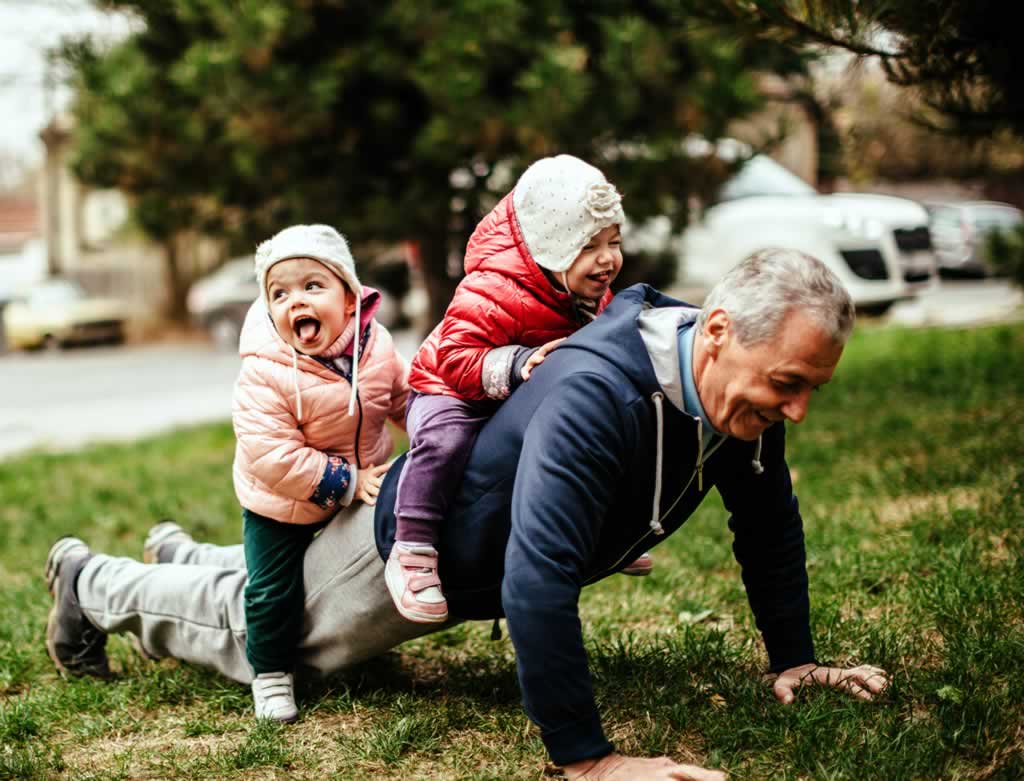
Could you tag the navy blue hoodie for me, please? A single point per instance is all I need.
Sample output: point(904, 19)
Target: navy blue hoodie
point(559, 492)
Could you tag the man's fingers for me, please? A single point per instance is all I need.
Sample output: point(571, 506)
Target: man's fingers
point(855, 689)
point(783, 690)
point(694, 773)
point(872, 678)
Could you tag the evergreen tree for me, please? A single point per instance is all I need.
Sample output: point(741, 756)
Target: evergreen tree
point(401, 119)
point(959, 54)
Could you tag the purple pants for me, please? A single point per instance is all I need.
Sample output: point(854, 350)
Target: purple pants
point(442, 430)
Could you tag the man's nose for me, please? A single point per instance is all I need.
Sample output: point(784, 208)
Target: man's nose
point(795, 409)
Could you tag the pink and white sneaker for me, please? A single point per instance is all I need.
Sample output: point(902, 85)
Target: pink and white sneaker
point(415, 588)
point(641, 567)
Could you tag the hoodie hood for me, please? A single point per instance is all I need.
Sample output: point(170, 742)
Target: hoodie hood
point(615, 336)
point(638, 333)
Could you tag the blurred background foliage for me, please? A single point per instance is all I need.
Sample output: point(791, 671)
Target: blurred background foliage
point(401, 120)
point(405, 121)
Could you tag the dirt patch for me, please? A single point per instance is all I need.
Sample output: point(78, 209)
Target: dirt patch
point(899, 510)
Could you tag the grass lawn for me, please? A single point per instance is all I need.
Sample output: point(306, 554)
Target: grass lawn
point(910, 471)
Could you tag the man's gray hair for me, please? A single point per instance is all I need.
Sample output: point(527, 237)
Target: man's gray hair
point(760, 291)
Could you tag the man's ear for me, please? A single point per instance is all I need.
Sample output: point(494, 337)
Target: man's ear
point(717, 330)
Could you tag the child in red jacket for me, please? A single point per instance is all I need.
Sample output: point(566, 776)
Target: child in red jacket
point(538, 267)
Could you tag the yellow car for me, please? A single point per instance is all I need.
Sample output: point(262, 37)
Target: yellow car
point(57, 312)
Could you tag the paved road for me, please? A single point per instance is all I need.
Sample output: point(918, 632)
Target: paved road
point(63, 400)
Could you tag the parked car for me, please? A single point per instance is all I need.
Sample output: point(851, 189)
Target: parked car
point(875, 244)
point(58, 312)
point(219, 301)
point(960, 232)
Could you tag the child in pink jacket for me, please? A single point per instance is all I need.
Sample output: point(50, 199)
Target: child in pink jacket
point(319, 379)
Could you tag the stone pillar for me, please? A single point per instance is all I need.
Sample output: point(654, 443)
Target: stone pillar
point(55, 139)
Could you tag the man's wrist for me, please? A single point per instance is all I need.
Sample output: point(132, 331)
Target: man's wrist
point(580, 771)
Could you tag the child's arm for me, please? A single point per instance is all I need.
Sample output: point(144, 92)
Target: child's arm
point(275, 447)
point(486, 314)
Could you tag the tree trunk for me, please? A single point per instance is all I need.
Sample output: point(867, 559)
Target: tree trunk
point(437, 275)
point(177, 286)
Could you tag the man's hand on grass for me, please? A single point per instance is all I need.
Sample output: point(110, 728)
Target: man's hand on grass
point(617, 767)
point(863, 682)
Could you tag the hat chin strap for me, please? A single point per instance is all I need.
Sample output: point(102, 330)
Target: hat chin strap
point(355, 353)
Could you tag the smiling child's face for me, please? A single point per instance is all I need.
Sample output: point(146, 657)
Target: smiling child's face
point(309, 304)
point(596, 267)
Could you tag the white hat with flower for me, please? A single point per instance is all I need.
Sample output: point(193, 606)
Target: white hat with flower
point(561, 203)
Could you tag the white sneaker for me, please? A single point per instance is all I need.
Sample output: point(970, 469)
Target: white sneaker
point(273, 694)
point(161, 542)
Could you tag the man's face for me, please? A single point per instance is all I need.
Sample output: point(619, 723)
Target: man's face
point(745, 390)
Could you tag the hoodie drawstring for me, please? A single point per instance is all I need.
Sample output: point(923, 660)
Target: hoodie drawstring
point(295, 381)
point(656, 510)
point(756, 463)
point(700, 454)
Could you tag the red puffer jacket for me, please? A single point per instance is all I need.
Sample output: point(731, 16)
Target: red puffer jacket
point(504, 299)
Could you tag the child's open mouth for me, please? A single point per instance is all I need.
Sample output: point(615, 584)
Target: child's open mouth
point(307, 329)
point(602, 279)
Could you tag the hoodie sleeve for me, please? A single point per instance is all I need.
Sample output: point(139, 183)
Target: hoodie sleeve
point(769, 546)
point(572, 460)
point(275, 449)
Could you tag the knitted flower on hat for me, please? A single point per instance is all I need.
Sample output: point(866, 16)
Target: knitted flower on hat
point(322, 243)
point(561, 203)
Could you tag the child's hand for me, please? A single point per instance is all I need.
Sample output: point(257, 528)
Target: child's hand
point(368, 483)
point(538, 357)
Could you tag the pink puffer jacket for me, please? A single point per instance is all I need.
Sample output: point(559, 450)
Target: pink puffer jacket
point(280, 462)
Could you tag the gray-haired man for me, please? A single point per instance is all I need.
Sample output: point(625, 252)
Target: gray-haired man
point(608, 449)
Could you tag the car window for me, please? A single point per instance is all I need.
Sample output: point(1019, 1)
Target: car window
point(761, 175)
point(995, 217)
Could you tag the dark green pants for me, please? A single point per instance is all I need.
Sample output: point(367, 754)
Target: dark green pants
point(274, 595)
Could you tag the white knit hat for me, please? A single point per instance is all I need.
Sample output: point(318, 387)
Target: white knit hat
point(324, 244)
point(319, 242)
point(561, 203)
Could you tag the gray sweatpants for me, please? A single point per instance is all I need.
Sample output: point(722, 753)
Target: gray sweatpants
point(193, 610)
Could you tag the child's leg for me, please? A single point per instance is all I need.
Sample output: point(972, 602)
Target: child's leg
point(274, 600)
point(442, 430)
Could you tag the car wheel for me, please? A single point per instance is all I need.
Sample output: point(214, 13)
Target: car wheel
point(50, 343)
point(225, 332)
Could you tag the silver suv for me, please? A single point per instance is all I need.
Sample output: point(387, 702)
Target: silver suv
point(960, 230)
